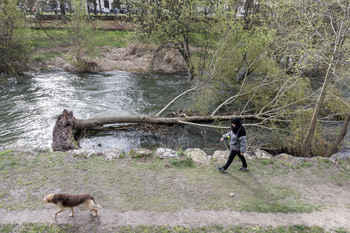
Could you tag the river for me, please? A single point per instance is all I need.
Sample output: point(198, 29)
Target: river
point(29, 109)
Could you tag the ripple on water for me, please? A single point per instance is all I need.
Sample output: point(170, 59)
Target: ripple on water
point(29, 108)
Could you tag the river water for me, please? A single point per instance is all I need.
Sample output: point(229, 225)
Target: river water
point(29, 109)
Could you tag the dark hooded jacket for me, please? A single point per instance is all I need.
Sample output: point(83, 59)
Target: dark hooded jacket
point(237, 136)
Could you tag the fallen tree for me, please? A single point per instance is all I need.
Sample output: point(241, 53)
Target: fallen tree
point(99, 122)
point(67, 126)
point(63, 136)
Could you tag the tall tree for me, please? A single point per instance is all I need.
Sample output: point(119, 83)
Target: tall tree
point(82, 38)
point(63, 10)
point(14, 49)
point(172, 24)
point(317, 30)
point(99, 7)
point(116, 4)
point(332, 33)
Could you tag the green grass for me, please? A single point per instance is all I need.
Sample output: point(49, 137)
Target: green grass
point(116, 39)
point(45, 48)
point(154, 184)
point(162, 184)
point(40, 40)
point(35, 227)
point(51, 228)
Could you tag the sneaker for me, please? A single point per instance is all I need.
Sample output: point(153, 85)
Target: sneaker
point(244, 169)
point(221, 169)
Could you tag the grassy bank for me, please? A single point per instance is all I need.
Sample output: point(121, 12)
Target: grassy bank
point(149, 184)
point(46, 48)
point(164, 229)
point(156, 184)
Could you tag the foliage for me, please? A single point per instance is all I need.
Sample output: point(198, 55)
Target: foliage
point(316, 32)
point(82, 38)
point(172, 24)
point(290, 141)
point(14, 48)
point(116, 4)
point(183, 161)
point(247, 78)
point(273, 73)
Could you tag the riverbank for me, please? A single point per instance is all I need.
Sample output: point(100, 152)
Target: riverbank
point(158, 192)
point(134, 59)
point(113, 51)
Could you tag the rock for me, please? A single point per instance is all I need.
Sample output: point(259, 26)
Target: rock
point(261, 154)
point(221, 155)
point(32, 151)
point(340, 156)
point(284, 156)
point(197, 155)
point(165, 152)
point(113, 154)
point(82, 153)
point(140, 153)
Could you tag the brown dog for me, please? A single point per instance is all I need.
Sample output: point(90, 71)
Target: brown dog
point(66, 200)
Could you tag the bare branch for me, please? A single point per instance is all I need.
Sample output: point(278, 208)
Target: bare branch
point(229, 100)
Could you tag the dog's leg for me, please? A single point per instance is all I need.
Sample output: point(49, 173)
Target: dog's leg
point(72, 215)
point(61, 210)
point(95, 214)
point(90, 205)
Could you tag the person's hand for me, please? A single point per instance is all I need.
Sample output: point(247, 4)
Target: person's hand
point(222, 139)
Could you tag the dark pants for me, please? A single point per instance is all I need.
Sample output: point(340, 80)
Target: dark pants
point(232, 156)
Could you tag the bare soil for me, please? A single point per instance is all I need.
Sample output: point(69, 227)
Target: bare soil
point(133, 59)
point(329, 219)
point(130, 59)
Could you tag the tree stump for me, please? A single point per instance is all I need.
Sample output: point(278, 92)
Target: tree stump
point(63, 139)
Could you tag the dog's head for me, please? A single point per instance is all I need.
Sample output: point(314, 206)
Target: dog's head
point(48, 198)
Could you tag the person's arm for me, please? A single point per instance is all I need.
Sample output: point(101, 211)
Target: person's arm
point(243, 144)
point(225, 136)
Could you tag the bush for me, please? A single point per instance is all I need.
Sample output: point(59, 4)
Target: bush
point(14, 47)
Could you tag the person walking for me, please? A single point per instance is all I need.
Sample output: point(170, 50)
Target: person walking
point(238, 144)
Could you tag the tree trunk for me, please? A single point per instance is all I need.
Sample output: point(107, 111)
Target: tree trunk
point(100, 6)
point(98, 122)
point(63, 135)
point(95, 7)
point(332, 149)
point(248, 10)
point(307, 144)
point(306, 149)
point(63, 10)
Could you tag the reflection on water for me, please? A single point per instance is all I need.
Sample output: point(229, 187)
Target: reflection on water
point(29, 108)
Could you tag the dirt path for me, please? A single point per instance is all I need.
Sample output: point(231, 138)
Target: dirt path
point(107, 219)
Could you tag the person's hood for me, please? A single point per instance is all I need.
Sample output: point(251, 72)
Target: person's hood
point(239, 130)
